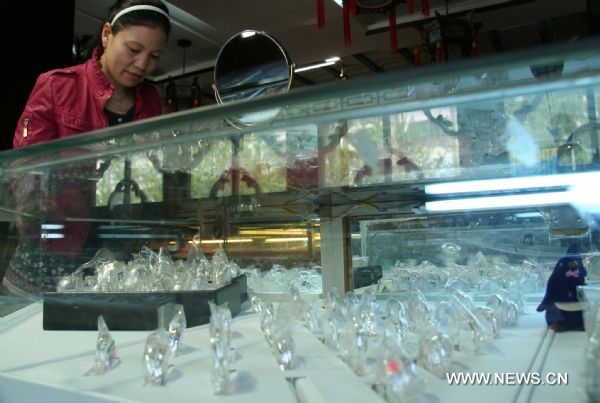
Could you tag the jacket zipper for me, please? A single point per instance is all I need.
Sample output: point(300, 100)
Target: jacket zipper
point(25, 131)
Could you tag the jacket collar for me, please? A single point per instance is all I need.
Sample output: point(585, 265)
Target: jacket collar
point(100, 85)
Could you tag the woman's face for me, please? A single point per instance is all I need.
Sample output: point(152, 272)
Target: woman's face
point(131, 54)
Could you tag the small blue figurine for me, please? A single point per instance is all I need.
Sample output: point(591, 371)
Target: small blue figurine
point(568, 273)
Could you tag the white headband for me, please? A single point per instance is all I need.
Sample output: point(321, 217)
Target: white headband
point(136, 8)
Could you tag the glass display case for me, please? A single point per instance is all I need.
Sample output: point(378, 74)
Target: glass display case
point(375, 173)
point(465, 179)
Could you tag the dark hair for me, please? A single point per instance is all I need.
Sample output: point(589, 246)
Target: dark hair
point(148, 18)
point(140, 17)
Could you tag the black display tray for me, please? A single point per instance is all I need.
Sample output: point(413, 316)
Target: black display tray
point(135, 311)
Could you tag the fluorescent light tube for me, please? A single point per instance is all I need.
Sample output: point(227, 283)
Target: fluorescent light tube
point(52, 236)
point(529, 214)
point(313, 66)
point(230, 240)
point(283, 240)
point(272, 232)
point(488, 202)
point(525, 182)
point(52, 226)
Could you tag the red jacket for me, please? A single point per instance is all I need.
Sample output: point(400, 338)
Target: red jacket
point(70, 101)
point(66, 102)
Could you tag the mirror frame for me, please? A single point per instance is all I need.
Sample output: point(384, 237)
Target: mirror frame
point(236, 121)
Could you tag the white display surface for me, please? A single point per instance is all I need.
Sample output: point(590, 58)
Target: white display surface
point(566, 355)
point(50, 366)
point(60, 359)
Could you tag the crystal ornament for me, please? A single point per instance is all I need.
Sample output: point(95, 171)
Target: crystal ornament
point(171, 317)
point(256, 303)
point(151, 271)
point(445, 313)
point(157, 357)
point(397, 374)
point(486, 316)
point(284, 349)
point(221, 322)
point(267, 322)
point(358, 358)
point(505, 310)
point(367, 309)
point(396, 328)
point(220, 344)
point(394, 307)
point(336, 322)
point(450, 252)
point(435, 351)
point(420, 312)
point(469, 333)
point(221, 273)
point(106, 351)
point(315, 318)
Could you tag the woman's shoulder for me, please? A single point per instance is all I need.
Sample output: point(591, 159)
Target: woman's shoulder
point(71, 71)
point(53, 83)
point(61, 80)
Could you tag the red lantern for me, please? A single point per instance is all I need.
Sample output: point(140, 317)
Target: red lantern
point(417, 56)
point(355, 7)
point(425, 7)
point(195, 93)
point(346, 11)
point(320, 13)
point(393, 28)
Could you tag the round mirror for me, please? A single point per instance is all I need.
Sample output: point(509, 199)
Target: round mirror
point(252, 64)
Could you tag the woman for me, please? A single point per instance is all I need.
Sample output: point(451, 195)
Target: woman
point(106, 90)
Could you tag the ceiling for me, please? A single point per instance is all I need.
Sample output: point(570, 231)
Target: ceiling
point(505, 25)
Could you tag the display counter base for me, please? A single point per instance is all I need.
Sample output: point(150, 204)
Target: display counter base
point(135, 311)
